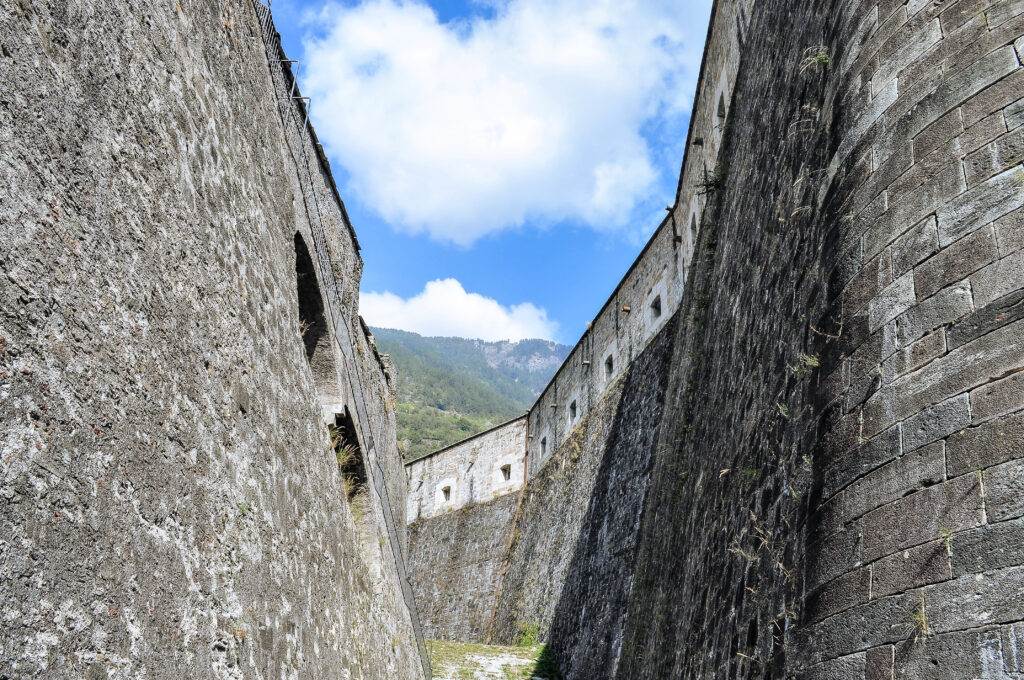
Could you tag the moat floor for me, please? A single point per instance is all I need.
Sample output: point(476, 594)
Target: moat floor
point(470, 661)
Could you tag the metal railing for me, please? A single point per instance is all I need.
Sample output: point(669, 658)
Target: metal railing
point(297, 114)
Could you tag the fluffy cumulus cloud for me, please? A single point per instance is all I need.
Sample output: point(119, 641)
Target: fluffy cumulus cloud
point(538, 113)
point(445, 308)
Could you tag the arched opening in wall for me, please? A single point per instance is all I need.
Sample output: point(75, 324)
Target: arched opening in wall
point(609, 367)
point(314, 326)
point(355, 482)
point(543, 446)
point(312, 319)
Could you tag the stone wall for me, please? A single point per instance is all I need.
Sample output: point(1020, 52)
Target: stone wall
point(170, 505)
point(832, 484)
point(456, 567)
point(475, 470)
point(649, 292)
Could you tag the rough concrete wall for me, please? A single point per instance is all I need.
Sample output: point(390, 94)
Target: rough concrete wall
point(456, 566)
point(471, 471)
point(169, 505)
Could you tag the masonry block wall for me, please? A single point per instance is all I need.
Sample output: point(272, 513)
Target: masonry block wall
point(171, 352)
point(644, 300)
point(833, 485)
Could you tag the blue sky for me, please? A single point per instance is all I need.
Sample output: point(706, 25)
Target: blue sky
point(503, 161)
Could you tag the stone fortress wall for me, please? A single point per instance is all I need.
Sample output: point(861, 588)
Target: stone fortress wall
point(647, 296)
point(479, 469)
point(178, 329)
point(813, 470)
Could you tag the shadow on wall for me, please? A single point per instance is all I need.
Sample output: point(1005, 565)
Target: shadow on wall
point(575, 540)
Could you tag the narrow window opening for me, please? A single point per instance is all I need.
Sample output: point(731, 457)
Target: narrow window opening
point(350, 458)
point(721, 106)
point(506, 472)
point(572, 412)
point(693, 227)
point(447, 491)
point(543, 446)
point(312, 321)
point(656, 307)
point(609, 367)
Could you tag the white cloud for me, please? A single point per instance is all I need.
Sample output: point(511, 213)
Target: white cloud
point(445, 308)
point(463, 129)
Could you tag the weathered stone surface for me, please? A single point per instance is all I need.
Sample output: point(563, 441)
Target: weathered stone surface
point(947, 305)
point(909, 569)
point(981, 205)
point(999, 278)
point(919, 353)
point(891, 301)
point(968, 654)
point(994, 442)
point(1004, 491)
point(871, 454)
point(455, 567)
point(986, 548)
point(955, 262)
point(170, 505)
point(879, 663)
point(998, 398)
point(936, 422)
point(922, 516)
point(920, 241)
point(844, 668)
point(839, 594)
point(1006, 310)
point(913, 471)
point(975, 600)
point(1010, 231)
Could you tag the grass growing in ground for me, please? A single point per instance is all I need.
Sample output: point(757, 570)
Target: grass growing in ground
point(471, 661)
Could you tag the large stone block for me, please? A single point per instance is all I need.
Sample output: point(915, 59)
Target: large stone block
point(871, 454)
point(917, 244)
point(947, 305)
point(994, 442)
point(913, 357)
point(967, 654)
point(1007, 310)
point(998, 398)
point(923, 516)
point(936, 422)
point(913, 471)
point(1004, 491)
point(955, 262)
point(999, 278)
point(981, 205)
point(909, 569)
point(975, 600)
point(993, 546)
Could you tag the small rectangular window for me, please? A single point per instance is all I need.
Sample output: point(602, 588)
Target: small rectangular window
point(543, 446)
point(506, 472)
point(447, 491)
point(656, 308)
point(609, 366)
point(572, 412)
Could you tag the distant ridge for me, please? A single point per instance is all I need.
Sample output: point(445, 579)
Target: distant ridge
point(452, 388)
